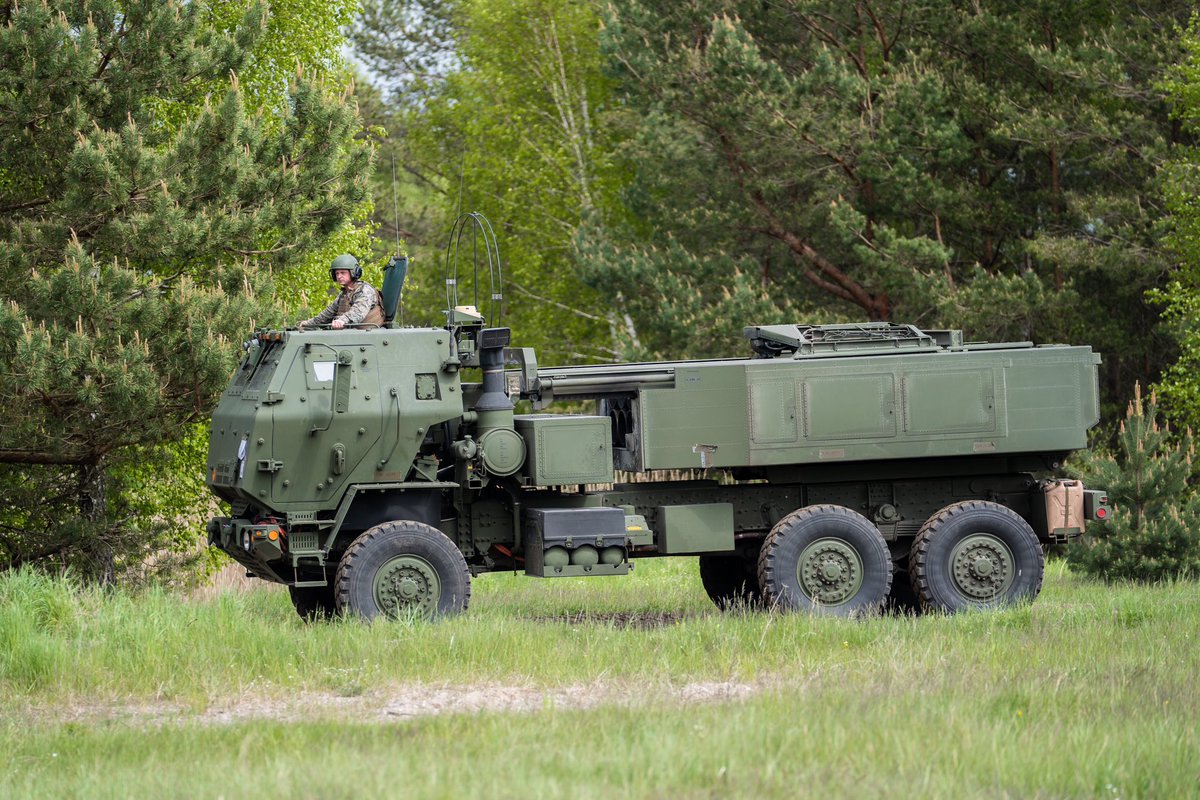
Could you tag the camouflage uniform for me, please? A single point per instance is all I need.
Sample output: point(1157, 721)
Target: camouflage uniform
point(359, 302)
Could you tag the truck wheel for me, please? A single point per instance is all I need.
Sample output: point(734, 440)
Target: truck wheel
point(731, 580)
point(975, 554)
point(826, 559)
point(402, 567)
point(313, 602)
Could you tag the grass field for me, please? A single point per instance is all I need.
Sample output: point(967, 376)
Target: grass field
point(628, 687)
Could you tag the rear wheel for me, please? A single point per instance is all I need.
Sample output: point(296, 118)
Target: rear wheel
point(400, 568)
point(976, 554)
point(826, 559)
point(731, 580)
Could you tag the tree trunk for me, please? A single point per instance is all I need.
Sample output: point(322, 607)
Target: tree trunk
point(92, 508)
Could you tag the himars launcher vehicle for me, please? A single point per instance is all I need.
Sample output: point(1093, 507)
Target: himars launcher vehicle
point(831, 468)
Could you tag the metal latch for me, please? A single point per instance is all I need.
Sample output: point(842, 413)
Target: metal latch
point(269, 465)
point(705, 451)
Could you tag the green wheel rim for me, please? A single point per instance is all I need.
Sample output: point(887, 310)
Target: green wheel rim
point(407, 582)
point(830, 571)
point(982, 567)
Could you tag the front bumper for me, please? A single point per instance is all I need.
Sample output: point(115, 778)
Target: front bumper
point(256, 546)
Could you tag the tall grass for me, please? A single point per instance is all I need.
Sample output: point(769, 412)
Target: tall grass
point(1091, 691)
point(63, 643)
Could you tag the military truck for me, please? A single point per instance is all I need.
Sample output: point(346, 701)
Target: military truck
point(376, 471)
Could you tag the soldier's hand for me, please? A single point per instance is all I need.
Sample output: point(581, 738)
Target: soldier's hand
point(338, 324)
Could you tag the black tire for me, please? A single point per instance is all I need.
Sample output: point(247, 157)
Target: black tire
point(731, 580)
point(825, 559)
point(313, 602)
point(402, 567)
point(975, 554)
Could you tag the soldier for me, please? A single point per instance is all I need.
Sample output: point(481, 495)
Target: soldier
point(359, 301)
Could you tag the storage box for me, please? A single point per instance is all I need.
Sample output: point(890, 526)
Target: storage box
point(566, 448)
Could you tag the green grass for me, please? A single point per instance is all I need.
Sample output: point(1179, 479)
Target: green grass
point(1092, 691)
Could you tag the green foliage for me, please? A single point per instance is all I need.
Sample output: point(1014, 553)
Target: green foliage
point(161, 489)
point(298, 36)
point(1180, 387)
point(1154, 530)
point(986, 165)
point(409, 46)
point(696, 304)
point(143, 211)
point(511, 131)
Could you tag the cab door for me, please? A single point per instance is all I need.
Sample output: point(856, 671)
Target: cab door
point(321, 440)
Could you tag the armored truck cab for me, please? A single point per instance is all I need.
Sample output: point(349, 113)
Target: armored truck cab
point(831, 469)
point(310, 414)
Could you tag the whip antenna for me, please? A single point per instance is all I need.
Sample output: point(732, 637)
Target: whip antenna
point(396, 222)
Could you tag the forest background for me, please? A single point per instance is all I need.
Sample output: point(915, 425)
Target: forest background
point(658, 173)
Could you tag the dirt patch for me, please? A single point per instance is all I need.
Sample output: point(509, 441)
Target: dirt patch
point(394, 703)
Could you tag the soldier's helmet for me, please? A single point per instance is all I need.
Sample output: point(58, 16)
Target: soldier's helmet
point(345, 261)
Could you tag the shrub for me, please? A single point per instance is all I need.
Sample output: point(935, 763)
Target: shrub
point(1153, 532)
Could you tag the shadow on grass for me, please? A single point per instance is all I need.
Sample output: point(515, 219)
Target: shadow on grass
point(638, 620)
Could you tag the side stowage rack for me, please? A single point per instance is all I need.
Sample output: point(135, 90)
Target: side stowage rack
point(808, 341)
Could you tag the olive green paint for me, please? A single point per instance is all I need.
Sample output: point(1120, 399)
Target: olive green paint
point(326, 434)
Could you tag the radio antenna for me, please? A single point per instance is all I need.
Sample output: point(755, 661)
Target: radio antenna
point(462, 170)
point(472, 236)
point(396, 215)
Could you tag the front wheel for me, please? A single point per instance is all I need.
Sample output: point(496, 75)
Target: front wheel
point(975, 554)
point(825, 559)
point(402, 567)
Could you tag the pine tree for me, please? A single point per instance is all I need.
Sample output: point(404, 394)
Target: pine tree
point(1180, 386)
point(142, 212)
point(1154, 530)
point(984, 165)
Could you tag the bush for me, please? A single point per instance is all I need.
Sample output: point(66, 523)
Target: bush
point(1153, 532)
